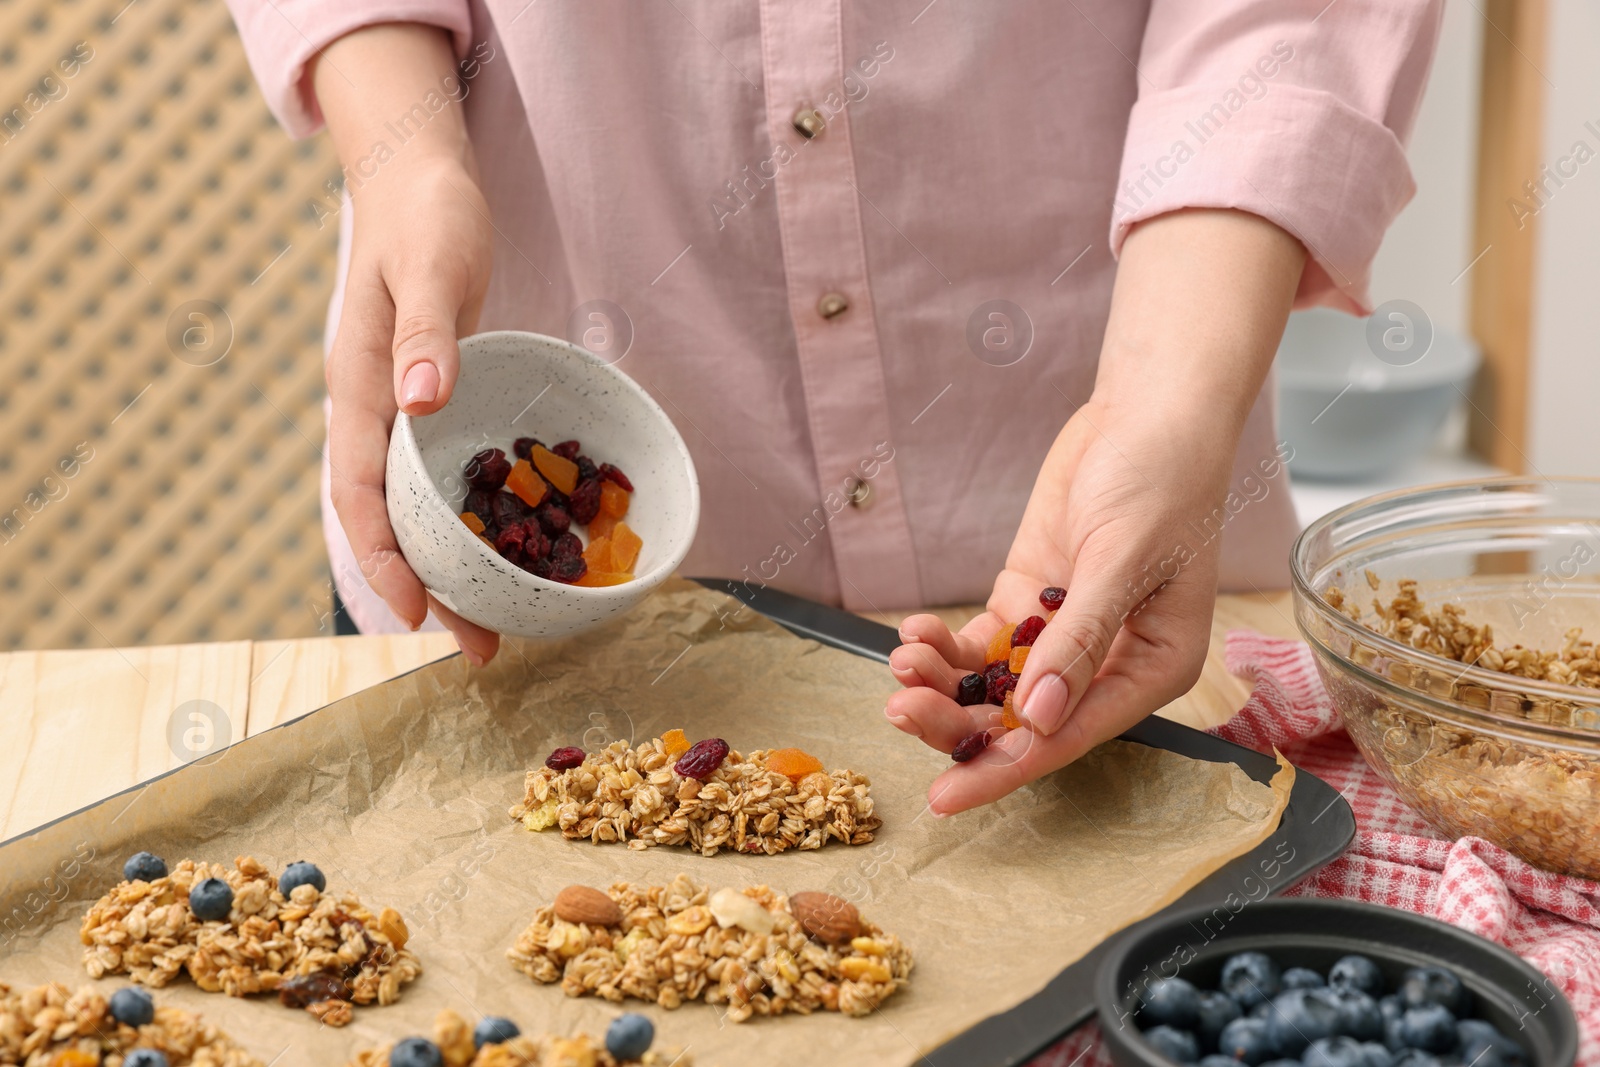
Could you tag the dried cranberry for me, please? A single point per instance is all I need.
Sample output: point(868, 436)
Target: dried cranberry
point(973, 689)
point(555, 521)
point(702, 759)
point(1027, 631)
point(586, 468)
point(543, 567)
point(480, 502)
point(535, 543)
point(970, 746)
point(564, 759)
point(586, 501)
point(310, 988)
point(566, 546)
point(608, 473)
point(512, 537)
point(488, 469)
point(1000, 681)
point(1052, 598)
point(566, 449)
point(568, 569)
point(523, 447)
point(507, 510)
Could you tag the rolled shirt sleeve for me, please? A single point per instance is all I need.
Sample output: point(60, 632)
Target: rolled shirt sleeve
point(280, 36)
point(1295, 112)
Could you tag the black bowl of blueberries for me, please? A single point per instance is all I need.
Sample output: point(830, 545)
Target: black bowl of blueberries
point(1324, 983)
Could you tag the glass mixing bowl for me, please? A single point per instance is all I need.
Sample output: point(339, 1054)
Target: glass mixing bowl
point(1511, 759)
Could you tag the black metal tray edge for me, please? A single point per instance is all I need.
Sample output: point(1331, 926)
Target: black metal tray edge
point(1315, 828)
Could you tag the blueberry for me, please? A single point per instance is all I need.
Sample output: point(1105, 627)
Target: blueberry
point(1415, 1057)
point(1356, 972)
point(1169, 1002)
point(211, 899)
point(1218, 1060)
point(1430, 1028)
point(1375, 1054)
point(1261, 1011)
point(1359, 1015)
point(1483, 1045)
point(1250, 978)
point(1334, 1052)
point(629, 1036)
point(132, 1006)
point(1282, 1063)
point(1247, 1040)
point(415, 1052)
point(1301, 978)
point(492, 1030)
point(1434, 985)
point(1216, 1011)
point(301, 873)
point(1177, 1045)
point(144, 867)
point(145, 1057)
point(1390, 1007)
point(1300, 1016)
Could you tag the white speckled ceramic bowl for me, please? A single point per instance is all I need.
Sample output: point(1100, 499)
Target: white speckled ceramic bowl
point(528, 385)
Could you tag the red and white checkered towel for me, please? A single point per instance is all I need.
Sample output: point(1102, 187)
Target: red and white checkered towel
point(1396, 859)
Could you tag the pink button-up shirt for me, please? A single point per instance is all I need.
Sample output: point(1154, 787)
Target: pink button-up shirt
point(903, 309)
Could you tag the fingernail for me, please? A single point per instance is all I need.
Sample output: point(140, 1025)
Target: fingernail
point(940, 814)
point(1046, 708)
point(902, 723)
point(472, 656)
point(908, 639)
point(421, 385)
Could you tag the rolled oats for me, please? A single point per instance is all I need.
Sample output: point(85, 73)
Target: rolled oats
point(669, 948)
point(311, 948)
point(1536, 800)
point(453, 1035)
point(48, 1026)
point(634, 795)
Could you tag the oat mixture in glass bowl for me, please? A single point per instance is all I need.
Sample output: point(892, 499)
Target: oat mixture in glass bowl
point(1454, 627)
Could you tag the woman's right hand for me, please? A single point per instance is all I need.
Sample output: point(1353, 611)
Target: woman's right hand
point(419, 269)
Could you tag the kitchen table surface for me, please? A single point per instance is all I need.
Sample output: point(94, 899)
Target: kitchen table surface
point(78, 725)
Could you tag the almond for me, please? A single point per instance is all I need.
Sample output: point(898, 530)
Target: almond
point(582, 904)
point(826, 917)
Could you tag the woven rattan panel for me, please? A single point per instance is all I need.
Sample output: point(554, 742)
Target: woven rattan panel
point(163, 282)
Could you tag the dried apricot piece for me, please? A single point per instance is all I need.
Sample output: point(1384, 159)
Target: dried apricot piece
point(1008, 714)
point(1019, 656)
point(474, 523)
point(528, 486)
point(561, 473)
point(602, 526)
point(593, 579)
point(674, 742)
point(793, 763)
point(1000, 646)
point(613, 500)
point(488, 542)
point(625, 545)
point(598, 554)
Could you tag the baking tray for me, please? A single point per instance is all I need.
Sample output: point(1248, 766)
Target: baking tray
point(1315, 828)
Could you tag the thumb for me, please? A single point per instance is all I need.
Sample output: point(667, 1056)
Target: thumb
point(1075, 643)
point(426, 357)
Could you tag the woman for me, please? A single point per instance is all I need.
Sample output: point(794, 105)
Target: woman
point(860, 255)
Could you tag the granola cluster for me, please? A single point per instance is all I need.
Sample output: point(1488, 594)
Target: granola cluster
point(453, 1036)
point(635, 795)
point(746, 949)
point(316, 950)
point(48, 1026)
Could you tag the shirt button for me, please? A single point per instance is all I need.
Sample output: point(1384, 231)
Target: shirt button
point(859, 493)
point(809, 121)
point(832, 305)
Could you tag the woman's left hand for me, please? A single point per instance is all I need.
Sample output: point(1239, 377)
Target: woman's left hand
point(1125, 514)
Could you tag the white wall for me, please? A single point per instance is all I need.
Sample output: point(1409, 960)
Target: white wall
point(1563, 428)
point(1429, 244)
